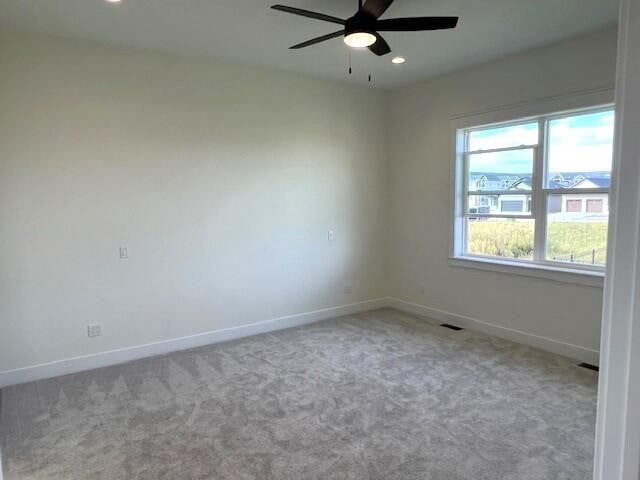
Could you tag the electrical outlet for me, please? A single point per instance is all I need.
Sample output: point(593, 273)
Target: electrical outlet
point(124, 252)
point(331, 235)
point(94, 329)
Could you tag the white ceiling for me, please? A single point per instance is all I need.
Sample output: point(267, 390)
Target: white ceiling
point(248, 32)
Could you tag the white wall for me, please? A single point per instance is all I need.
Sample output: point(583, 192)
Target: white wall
point(420, 189)
point(221, 180)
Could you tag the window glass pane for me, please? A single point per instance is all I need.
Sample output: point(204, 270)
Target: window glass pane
point(577, 228)
point(581, 151)
point(504, 137)
point(509, 171)
point(506, 204)
point(498, 237)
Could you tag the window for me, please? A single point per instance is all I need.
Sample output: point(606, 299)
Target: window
point(536, 190)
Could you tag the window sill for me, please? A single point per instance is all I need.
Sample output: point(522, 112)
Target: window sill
point(557, 274)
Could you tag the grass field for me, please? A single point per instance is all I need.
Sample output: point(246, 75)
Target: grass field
point(580, 242)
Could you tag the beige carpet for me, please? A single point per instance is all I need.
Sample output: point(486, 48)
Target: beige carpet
point(380, 395)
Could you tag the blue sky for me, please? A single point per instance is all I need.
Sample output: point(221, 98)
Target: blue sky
point(582, 143)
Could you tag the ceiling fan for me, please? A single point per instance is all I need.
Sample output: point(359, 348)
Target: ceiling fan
point(362, 29)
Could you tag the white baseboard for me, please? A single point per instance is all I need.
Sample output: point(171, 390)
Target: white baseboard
point(543, 343)
point(114, 357)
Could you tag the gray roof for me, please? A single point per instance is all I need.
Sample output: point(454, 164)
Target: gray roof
point(562, 180)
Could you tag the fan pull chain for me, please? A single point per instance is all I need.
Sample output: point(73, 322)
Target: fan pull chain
point(350, 70)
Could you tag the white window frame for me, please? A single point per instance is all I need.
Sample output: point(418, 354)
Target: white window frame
point(542, 111)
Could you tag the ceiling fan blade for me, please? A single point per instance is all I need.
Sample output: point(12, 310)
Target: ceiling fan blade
point(309, 14)
point(381, 47)
point(376, 8)
point(416, 24)
point(323, 38)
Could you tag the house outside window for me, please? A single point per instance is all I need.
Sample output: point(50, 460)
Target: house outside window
point(574, 206)
point(536, 190)
point(595, 206)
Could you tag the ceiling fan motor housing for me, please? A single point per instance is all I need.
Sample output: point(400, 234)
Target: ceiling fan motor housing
point(360, 22)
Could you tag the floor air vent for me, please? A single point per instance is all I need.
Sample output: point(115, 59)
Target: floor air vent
point(451, 327)
point(590, 367)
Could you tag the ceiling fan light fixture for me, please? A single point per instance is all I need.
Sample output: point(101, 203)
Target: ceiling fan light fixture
point(360, 39)
point(398, 60)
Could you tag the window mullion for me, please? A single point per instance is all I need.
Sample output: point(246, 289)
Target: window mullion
point(539, 199)
point(463, 198)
